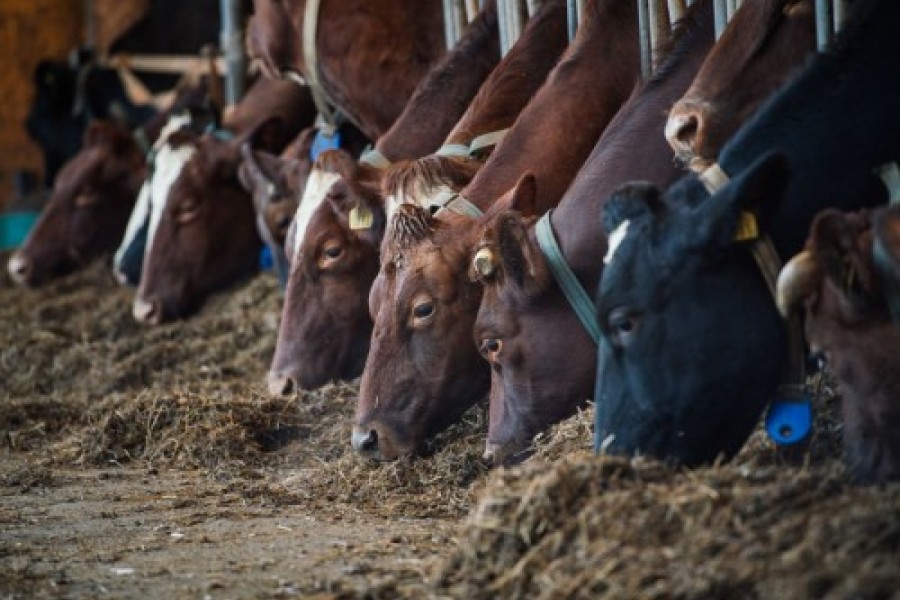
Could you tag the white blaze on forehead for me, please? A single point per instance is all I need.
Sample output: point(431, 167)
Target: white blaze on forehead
point(317, 187)
point(615, 240)
point(141, 211)
point(169, 163)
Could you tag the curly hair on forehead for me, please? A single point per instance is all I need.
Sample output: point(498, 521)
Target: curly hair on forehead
point(429, 173)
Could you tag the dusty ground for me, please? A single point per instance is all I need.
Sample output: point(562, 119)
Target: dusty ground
point(150, 463)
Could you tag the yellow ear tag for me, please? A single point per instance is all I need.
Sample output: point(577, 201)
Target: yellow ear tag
point(361, 217)
point(747, 228)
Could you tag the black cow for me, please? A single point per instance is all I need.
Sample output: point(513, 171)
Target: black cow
point(693, 344)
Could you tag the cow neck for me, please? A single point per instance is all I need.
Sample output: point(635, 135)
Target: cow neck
point(555, 133)
point(767, 260)
point(631, 148)
point(443, 96)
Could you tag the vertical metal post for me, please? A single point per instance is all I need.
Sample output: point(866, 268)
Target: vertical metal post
point(824, 24)
point(232, 44)
point(572, 15)
point(472, 9)
point(516, 20)
point(720, 16)
point(644, 32)
point(841, 12)
point(511, 23)
point(659, 28)
point(454, 22)
point(677, 8)
point(532, 7)
point(503, 26)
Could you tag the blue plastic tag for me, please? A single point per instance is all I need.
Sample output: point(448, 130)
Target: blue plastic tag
point(323, 142)
point(789, 420)
point(265, 258)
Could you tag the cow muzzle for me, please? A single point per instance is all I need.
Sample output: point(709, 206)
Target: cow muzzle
point(365, 441)
point(19, 268)
point(281, 384)
point(147, 311)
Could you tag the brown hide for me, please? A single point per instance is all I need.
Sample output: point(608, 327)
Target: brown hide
point(325, 326)
point(371, 53)
point(87, 212)
point(206, 238)
point(442, 375)
point(848, 323)
point(543, 361)
point(763, 45)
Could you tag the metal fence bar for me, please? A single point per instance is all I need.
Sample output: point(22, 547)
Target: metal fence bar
point(645, 37)
point(841, 10)
point(659, 28)
point(720, 16)
point(511, 21)
point(232, 44)
point(472, 9)
point(454, 21)
point(677, 8)
point(572, 18)
point(532, 7)
point(824, 24)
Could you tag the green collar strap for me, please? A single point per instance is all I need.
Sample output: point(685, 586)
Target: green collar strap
point(578, 299)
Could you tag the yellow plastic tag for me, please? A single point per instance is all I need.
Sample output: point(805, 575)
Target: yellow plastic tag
point(747, 228)
point(361, 217)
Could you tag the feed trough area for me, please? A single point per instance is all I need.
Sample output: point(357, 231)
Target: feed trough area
point(149, 463)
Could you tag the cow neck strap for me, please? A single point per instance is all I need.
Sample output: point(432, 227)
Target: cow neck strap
point(452, 201)
point(375, 159)
point(486, 140)
point(767, 260)
point(889, 174)
point(460, 150)
point(310, 59)
point(578, 299)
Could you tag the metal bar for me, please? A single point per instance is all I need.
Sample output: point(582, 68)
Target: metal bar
point(824, 24)
point(451, 26)
point(841, 12)
point(532, 7)
point(503, 26)
point(572, 16)
point(516, 20)
point(720, 16)
point(472, 9)
point(644, 32)
point(232, 44)
point(677, 8)
point(659, 27)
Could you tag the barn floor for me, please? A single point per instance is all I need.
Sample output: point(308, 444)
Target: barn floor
point(151, 463)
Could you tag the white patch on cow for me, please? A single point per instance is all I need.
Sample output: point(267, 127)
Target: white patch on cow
point(317, 187)
point(615, 240)
point(142, 207)
point(169, 163)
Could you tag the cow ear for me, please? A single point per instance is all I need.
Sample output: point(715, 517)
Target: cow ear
point(269, 135)
point(759, 190)
point(630, 201)
point(100, 132)
point(523, 197)
point(522, 264)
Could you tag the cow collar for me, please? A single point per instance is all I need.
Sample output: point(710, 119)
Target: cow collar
point(578, 299)
point(143, 142)
point(789, 419)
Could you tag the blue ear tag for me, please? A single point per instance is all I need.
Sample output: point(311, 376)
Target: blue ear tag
point(265, 258)
point(324, 141)
point(789, 419)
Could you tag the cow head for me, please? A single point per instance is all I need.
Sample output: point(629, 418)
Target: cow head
point(275, 183)
point(847, 280)
point(205, 235)
point(333, 247)
point(763, 44)
point(87, 212)
point(692, 342)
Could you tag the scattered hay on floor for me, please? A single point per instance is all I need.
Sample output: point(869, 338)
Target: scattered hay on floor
point(603, 527)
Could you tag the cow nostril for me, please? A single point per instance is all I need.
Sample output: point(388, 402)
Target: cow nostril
point(19, 267)
point(145, 311)
point(364, 441)
point(281, 385)
point(681, 130)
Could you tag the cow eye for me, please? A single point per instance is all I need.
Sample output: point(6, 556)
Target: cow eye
point(188, 210)
point(423, 310)
point(622, 323)
point(333, 251)
point(86, 199)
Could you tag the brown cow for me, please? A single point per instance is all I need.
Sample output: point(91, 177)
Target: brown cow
point(847, 280)
point(741, 71)
point(371, 53)
point(336, 298)
point(93, 195)
point(423, 371)
point(203, 234)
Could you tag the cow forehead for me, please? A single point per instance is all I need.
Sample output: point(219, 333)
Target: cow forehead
point(419, 194)
point(168, 166)
point(317, 187)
